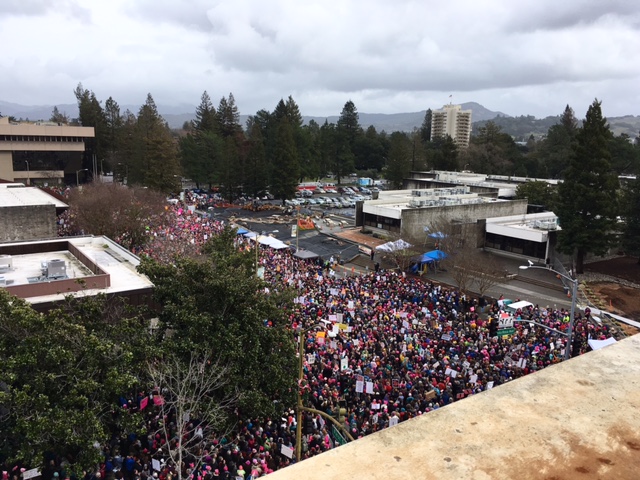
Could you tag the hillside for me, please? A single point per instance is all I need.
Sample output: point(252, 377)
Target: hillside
point(519, 127)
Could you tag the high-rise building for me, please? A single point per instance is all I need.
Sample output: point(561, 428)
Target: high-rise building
point(452, 121)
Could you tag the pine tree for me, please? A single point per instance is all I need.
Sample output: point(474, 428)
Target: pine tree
point(286, 167)
point(587, 197)
point(631, 216)
point(425, 129)
point(58, 117)
point(399, 164)
point(156, 165)
point(206, 119)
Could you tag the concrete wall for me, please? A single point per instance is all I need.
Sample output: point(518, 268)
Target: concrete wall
point(27, 223)
point(414, 220)
point(6, 166)
point(575, 420)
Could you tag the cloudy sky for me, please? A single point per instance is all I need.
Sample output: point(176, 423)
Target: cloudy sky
point(388, 56)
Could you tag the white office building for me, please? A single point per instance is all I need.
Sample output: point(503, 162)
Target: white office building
point(453, 121)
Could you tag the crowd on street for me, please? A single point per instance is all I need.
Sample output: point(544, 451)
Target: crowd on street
point(379, 348)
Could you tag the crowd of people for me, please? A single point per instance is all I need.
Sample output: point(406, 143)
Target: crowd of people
point(379, 348)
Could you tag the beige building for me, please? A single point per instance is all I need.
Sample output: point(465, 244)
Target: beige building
point(452, 121)
point(41, 152)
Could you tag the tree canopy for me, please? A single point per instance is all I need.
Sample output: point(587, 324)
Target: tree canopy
point(587, 198)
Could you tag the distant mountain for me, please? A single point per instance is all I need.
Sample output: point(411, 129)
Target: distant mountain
point(176, 116)
point(519, 127)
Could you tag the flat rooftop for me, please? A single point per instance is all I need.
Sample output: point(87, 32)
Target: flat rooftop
point(531, 226)
point(575, 420)
point(17, 195)
point(93, 265)
point(393, 202)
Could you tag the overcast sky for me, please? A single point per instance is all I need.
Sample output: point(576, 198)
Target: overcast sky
point(387, 56)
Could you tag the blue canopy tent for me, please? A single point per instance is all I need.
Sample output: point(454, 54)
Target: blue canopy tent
point(242, 231)
point(428, 258)
point(436, 255)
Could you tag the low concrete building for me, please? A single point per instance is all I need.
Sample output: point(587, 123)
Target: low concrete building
point(576, 419)
point(27, 213)
point(406, 213)
point(531, 236)
point(45, 272)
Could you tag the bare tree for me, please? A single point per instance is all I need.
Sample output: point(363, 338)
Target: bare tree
point(487, 272)
point(190, 405)
point(121, 213)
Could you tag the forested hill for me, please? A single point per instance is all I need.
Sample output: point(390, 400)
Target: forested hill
point(521, 128)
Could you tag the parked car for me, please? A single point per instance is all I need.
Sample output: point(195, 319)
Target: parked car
point(319, 190)
point(365, 191)
point(330, 190)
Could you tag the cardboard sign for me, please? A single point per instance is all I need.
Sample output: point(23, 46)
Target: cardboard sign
point(369, 387)
point(286, 451)
point(34, 472)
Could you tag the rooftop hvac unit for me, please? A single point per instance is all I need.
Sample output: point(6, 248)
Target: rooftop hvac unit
point(6, 263)
point(56, 269)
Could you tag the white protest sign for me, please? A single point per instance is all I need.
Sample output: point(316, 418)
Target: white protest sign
point(369, 387)
point(489, 385)
point(359, 386)
point(344, 364)
point(286, 451)
point(34, 472)
point(505, 321)
point(156, 464)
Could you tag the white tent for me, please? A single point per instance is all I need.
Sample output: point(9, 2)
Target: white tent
point(272, 242)
point(393, 246)
point(598, 344)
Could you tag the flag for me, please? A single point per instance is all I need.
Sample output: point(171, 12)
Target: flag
point(143, 403)
point(158, 400)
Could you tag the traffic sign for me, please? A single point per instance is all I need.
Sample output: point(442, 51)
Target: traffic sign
point(506, 332)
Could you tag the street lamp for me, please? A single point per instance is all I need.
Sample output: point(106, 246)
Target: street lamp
point(301, 336)
point(574, 296)
point(78, 177)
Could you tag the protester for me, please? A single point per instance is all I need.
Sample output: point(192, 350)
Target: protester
point(379, 349)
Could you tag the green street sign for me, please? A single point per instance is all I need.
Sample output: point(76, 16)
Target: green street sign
point(506, 331)
point(339, 438)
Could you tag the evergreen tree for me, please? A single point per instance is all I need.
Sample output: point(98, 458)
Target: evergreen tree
point(200, 150)
point(230, 170)
point(61, 372)
point(257, 181)
point(399, 164)
point(425, 129)
point(113, 134)
point(91, 114)
point(218, 303)
point(58, 117)
point(587, 197)
point(348, 125)
point(630, 213)
point(156, 165)
point(286, 166)
point(206, 118)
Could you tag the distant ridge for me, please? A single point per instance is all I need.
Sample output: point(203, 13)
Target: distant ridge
point(403, 122)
